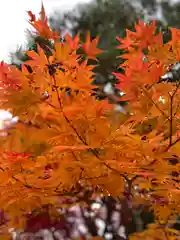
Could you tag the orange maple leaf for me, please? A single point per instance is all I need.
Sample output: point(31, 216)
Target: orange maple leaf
point(142, 38)
point(41, 25)
point(90, 47)
point(72, 43)
point(38, 59)
point(126, 43)
point(175, 35)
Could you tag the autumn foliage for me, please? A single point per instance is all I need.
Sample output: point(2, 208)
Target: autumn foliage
point(66, 137)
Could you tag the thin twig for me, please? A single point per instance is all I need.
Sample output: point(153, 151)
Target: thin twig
point(171, 143)
point(129, 181)
point(171, 119)
point(155, 104)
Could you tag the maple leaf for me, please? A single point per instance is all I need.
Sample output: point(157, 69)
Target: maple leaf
point(8, 80)
point(73, 43)
point(90, 47)
point(41, 25)
point(32, 16)
point(84, 71)
point(175, 35)
point(63, 55)
point(126, 43)
point(143, 37)
point(38, 59)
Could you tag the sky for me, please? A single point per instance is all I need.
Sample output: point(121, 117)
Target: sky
point(14, 20)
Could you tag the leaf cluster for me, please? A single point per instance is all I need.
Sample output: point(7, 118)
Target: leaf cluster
point(64, 138)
